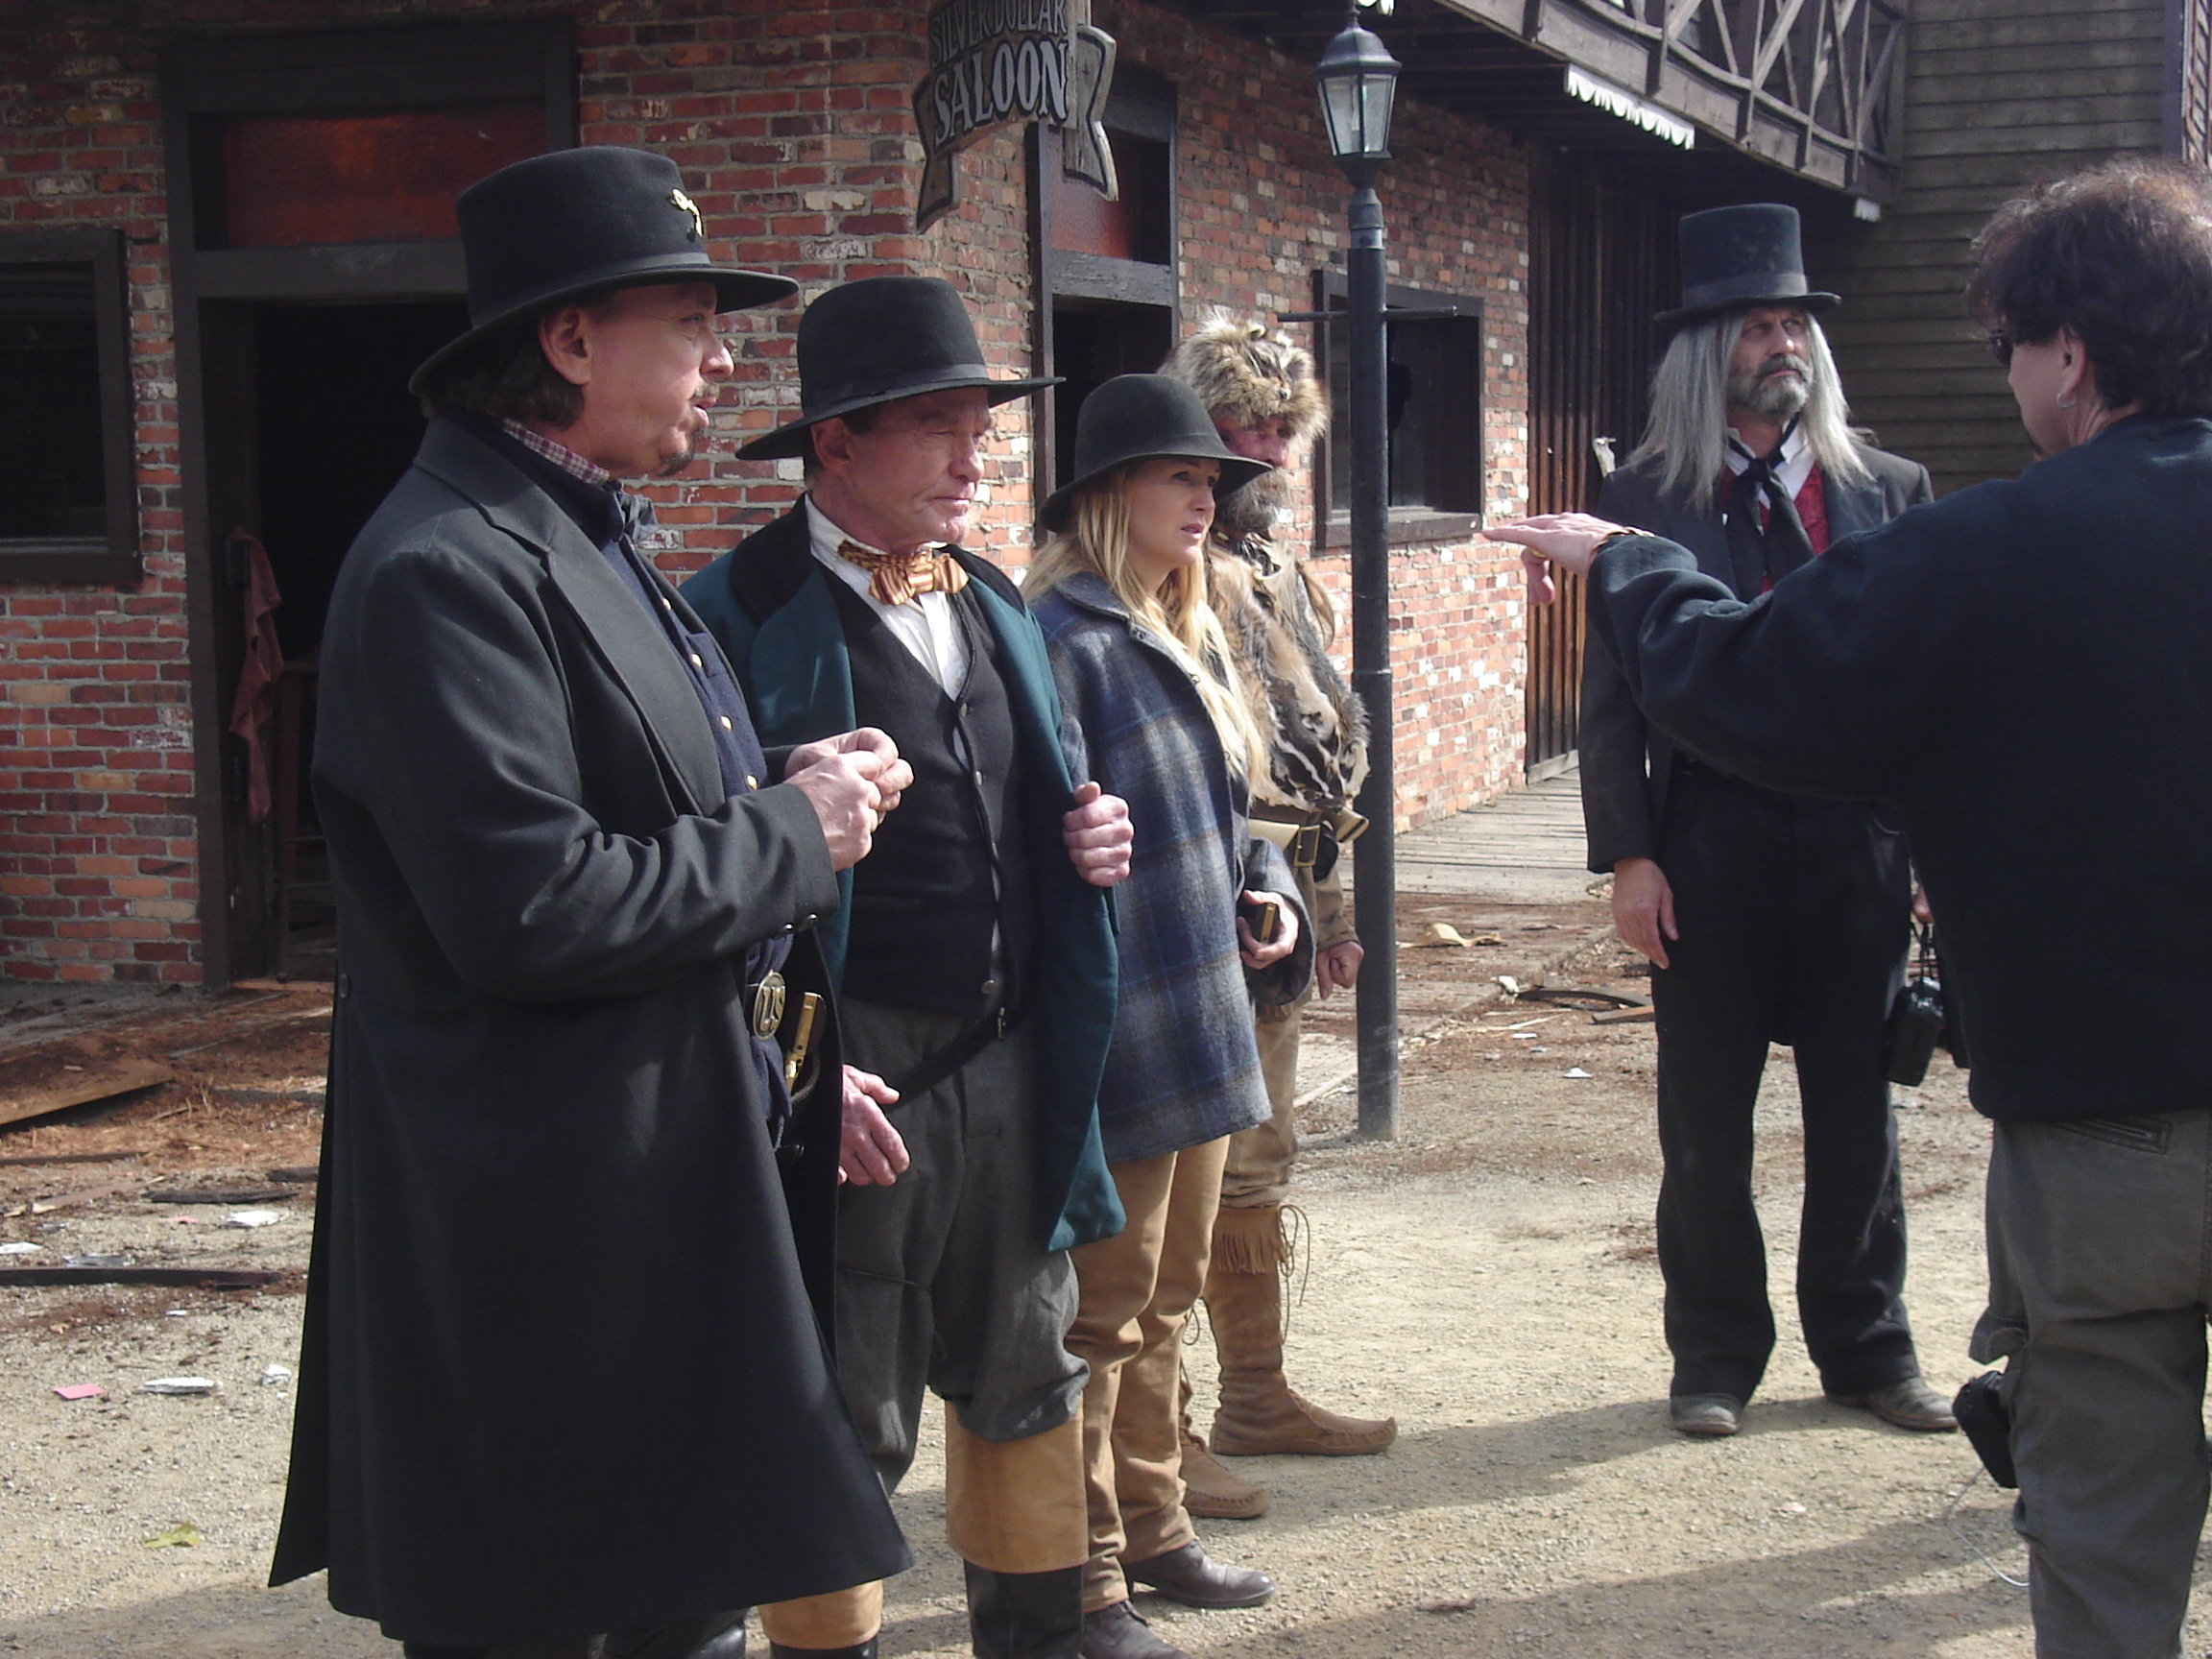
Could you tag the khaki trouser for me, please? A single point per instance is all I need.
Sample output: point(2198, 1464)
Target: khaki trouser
point(1137, 1289)
point(1010, 1506)
point(1258, 1172)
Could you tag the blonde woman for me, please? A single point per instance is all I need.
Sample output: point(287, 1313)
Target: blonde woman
point(1120, 592)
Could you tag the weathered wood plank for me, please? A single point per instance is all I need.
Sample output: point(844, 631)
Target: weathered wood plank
point(2101, 102)
point(2107, 18)
point(2083, 139)
point(97, 1080)
point(1934, 65)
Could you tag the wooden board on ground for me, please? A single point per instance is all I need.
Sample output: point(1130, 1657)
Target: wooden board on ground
point(56, 1076)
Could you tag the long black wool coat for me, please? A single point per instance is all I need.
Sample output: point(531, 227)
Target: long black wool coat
point(561, 1373)
point(1628, 763)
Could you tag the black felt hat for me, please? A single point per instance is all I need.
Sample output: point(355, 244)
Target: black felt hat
point(1144, 418)
point(1734, 257)
point(877, 341)
point(573, 224)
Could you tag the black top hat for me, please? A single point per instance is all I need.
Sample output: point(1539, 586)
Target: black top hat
point(1734, 257)
point(877, 341)
point(1144, 418)
point(571, 224)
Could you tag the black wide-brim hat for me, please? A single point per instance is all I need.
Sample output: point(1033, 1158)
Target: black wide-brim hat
point(1144, 418)
point(575, 224)
point(1736, 258)
point(877, 341)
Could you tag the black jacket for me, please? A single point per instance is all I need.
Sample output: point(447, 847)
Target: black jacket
point(2026, 669)
point(1626, 765)
point(561, 1373)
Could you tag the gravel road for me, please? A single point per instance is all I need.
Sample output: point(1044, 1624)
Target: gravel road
point(1487, 1276)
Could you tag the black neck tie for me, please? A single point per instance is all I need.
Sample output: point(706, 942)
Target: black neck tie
point(1780, 545)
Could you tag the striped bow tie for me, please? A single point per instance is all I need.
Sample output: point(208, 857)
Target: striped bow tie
point(894, 578)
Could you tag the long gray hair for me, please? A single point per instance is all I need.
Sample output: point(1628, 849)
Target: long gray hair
point(1687, 432)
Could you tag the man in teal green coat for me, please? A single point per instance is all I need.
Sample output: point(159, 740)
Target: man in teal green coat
point(974, 953)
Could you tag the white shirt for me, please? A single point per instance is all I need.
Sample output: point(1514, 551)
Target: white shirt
point(924, 624)
point(1796, 459)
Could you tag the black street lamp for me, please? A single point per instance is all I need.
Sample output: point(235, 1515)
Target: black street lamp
point(1358, 84)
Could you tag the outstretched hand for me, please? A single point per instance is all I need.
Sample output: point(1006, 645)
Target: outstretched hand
point(1566, 540)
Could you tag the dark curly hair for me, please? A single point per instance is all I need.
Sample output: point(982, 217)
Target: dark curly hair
point(2122, 254)
point(505, 378)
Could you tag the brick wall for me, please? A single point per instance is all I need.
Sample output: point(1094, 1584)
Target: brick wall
point(98, 855)
point(791, 120)
point(1261, 207)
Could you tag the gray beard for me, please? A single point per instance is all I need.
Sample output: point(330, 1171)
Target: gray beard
point(1775, 400)
point(1254, 509)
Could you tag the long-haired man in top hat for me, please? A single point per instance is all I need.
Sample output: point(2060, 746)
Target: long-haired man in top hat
point(1765, 917)
point(974, 955)
point(562, 1387)
point(1262, 393)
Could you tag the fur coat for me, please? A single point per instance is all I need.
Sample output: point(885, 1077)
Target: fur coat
point(1316, 728)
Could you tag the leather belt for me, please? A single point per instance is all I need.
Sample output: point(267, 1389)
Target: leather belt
point(766, 998)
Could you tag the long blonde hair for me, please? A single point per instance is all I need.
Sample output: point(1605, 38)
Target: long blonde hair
point(1096, 538)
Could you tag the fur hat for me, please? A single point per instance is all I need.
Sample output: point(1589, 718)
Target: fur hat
point(1245, 374)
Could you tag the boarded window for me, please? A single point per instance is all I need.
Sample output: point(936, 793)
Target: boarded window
point(291, 180)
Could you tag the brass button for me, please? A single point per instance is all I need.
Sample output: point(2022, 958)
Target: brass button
point(728, 725)
point(697, 661)
point(665, 605)
point(751, 782)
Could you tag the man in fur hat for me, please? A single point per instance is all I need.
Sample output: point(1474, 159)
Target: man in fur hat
point(1268, 405)
point(1765, 917)
point(974, 956)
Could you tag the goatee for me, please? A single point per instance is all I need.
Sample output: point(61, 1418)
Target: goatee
point(1778, 398)
point(1254, 509)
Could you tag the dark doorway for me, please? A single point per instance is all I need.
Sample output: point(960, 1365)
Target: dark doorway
point(1093, 341)
point(332, 429)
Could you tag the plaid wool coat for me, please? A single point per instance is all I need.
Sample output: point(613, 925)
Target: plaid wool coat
point(1183, 1068)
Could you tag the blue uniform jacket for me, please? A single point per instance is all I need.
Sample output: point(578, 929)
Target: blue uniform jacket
point(769, 603)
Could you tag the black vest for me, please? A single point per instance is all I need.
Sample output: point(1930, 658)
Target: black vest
point(942, 913)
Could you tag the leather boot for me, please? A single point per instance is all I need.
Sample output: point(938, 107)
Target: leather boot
point(1025, 1615)
point(714, 1636)
point(858, 1651)
point(1259, 1413)
point(1208, 1489)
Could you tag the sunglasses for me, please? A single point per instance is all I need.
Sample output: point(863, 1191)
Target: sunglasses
point(2000, 343)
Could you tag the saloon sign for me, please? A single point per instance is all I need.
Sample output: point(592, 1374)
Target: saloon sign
point(992, 62)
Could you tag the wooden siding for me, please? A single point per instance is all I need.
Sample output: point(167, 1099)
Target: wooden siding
point(1996, 95)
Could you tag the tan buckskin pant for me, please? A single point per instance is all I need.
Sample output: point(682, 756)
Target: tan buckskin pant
point(1136, 1289)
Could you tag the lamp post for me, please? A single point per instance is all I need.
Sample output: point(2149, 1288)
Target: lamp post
point(1359, 80)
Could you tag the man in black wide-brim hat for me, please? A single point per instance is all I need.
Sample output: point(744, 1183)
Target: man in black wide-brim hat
point(1767, 917)
point(562, 1389)
point(974, 961)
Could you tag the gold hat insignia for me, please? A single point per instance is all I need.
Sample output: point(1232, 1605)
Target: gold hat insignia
point(679, 200)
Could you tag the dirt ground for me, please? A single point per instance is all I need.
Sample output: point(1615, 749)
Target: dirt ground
point(1487, 1276)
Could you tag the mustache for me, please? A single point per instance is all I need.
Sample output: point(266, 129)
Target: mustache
point(1782, 360)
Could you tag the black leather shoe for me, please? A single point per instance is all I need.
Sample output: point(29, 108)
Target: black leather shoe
point(1025, 1615)
point(1118, 1631)
point(1705, 1416)
point(1908, 1402)
point(711, 1636)
point(1186, 1575)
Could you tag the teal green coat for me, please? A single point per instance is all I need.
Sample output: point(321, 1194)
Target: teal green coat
point(768, 602)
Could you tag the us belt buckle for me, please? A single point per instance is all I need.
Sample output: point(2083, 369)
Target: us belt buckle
point(768, 1005)
point(1306, 847)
